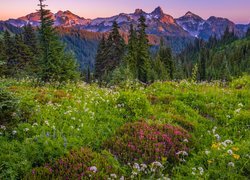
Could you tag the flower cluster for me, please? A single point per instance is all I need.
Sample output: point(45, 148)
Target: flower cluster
point(78, 164)
point(141, 142)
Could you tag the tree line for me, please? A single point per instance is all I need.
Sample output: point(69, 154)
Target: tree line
point(116, 61)
point(218, 59)
point(38, 53)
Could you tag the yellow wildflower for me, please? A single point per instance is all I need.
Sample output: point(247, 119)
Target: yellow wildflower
point(235, 148)
point(236, 156)
point(209, 161)
point(216, 145)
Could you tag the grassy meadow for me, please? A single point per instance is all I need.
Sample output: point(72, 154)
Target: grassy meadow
point(168, 130)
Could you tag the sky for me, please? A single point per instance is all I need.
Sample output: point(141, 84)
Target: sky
point(236, 10)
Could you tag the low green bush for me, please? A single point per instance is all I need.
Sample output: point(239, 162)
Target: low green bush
point(78, 164)
point(8, 107)
point(133, 105)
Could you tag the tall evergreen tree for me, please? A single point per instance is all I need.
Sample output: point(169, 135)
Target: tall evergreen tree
point(143, 60)
point(100, 59)
point(131, 57)
point(2, 58)
point(165, 56)
point(9, 51)
point(115, 49)
point(203, 58)
point(56, 64)
point(23, 55)
point(30, 39)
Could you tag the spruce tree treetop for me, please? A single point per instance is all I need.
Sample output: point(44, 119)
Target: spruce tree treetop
point(100, 58)
point(143, 60)
point(56, 64)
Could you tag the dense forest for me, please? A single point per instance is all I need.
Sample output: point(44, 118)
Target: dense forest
point(117, 59)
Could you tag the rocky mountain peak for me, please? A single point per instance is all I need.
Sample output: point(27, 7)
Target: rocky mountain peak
point(158, 11)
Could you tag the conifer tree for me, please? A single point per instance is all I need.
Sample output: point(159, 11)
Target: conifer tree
point(56, 64)
point(165, 56)
point(203, 59)
point(143, 56)
point(23, 55)
point(115, 49)
point(2, 58)
point(131, 57)
point(100, 59)
point(9, 54)
point(30, 39)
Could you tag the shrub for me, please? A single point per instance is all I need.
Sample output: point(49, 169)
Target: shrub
point(241, 83)
point(141, 142)
point(133, 105)
point(78, 164)
point(8, 106)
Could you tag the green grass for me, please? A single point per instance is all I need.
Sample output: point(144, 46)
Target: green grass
point(54, 121)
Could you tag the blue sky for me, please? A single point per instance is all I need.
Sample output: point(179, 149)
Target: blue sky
point(236, 10)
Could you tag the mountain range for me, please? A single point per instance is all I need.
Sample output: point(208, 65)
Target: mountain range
point(82, 35)
point(159, 23)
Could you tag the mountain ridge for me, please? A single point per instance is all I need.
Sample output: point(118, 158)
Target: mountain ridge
point(158, 22)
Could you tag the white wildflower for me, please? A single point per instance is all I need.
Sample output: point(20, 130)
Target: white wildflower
point(136, 166)
point(157, 164)
point(143, 167)
point(3, 127)
point(224, 144)
point(240, 105)
point(46, 122)
point(228, 141)
point(230, 164)
point(238, 110)
point(194, 169)
point(230, 152)
point(184, 153)
point(214, 129)
point(217, 137)
point(201, 170)
point(93, 169)
point(207, 152)
point(113, 176)
point(26, 129)
point(14, 132)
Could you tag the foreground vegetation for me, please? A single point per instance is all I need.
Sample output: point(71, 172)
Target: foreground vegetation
point(165, 130)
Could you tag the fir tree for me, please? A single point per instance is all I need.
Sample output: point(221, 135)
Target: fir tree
point(30, 39)
point(143, 56)
point(23, 55)
point(2, 58)
point(115, 49)
point(100, 59)
point(131, 57)
point(55, 63)
point(165, 56)
point(9, 51)
point(203, 58)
